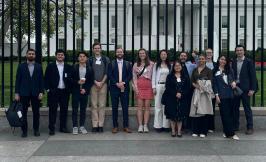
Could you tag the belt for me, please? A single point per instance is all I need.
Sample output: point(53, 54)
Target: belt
point(161, 82)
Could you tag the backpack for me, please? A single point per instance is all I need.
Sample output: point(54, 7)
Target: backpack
point(14, 114)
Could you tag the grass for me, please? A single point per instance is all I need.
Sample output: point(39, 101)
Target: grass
point(7, 85)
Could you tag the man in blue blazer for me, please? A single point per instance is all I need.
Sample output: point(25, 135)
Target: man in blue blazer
point(120, 74)
point(245, 76)
point(58, 84)
point(29, 90)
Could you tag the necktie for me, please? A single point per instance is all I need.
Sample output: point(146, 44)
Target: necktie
point(120, 71)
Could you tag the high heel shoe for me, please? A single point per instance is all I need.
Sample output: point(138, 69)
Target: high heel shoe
point(173, 134)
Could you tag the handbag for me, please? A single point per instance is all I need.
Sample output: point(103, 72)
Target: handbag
point(237, 91)
point(164, 98)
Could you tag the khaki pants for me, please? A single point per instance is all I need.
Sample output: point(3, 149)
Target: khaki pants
point(98, 103)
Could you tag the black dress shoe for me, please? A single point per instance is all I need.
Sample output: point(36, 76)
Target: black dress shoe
point(36, 133)
point(94, 129)
point(51, 132)
point(158, 130)
point(64, 130)
point(100, 129)
point(24, 134)
point(249, 131)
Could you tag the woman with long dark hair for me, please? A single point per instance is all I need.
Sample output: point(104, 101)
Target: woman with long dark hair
point(223, 84)
point(142, 76)
point(160, 71)
point(177, 87)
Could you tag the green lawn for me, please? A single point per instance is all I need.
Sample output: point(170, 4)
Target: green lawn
point(44, 102)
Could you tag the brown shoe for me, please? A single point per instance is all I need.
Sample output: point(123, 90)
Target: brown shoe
point(249, 132)
point(127, 130)
point(115, 130)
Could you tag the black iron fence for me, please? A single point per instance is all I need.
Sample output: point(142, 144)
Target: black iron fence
point(175, 25)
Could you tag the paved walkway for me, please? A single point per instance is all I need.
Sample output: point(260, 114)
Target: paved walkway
point(131, 147)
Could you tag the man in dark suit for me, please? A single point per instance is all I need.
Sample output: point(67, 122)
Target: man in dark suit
point(29, 90)
point(120, 74)
point(245, 76)
point(58, 85)
point(82, 82)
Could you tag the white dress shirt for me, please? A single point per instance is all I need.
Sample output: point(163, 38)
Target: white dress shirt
point(60, 67)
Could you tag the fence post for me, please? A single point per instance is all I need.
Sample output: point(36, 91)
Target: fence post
point(38, 30)
point(210, 23)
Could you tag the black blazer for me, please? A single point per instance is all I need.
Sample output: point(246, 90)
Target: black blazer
point(220, 87)
point(113, 74)
point(89, 79)
point(171, 89)
point(27, 85)
point(247, 75)
point(52, 77)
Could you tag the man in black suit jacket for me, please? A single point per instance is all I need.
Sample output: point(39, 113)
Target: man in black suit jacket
point(58, 81)
point(29, 90)
point(82, 82)
point(120, 74)
point(245, 76)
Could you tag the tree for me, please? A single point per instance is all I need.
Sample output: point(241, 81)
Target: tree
point(28, 24)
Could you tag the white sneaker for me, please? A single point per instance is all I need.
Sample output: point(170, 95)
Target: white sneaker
point(194, 135)
point(210, 131)
point(75, 130)
point(140, 130)
point(202, 135)
point(83, 130)
point(146, 129)
point(224, 135)
point(235, 137)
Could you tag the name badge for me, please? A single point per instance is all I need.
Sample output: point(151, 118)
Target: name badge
point(65, 75)
point(98, 62)
point(178, 80)
point(218, 73)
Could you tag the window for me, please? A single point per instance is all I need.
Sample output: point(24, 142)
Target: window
point(113, 21)
point(79, 43)
point(242, 21)
point(113, 40)
point(61, 43)
point(259, 43)
point(95, 40)
point(224, 44)
point(138, 22)
point(224, 22)
point(205, 22)
point(242, 42)
point(259, 22)
point(205, 43)
point(95, 22)
point(161, 20)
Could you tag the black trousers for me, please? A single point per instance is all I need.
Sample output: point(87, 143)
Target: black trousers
point(187, 123)
point(226, 112)
point(79, 101)
point(124, 99)
point(211, 118)
point(35, 104)
point(58, 97)
point(248, 112)
point(199, 125)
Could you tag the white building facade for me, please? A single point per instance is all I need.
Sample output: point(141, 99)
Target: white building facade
point(162, 21)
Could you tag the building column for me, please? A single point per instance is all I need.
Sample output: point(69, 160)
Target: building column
point(178, 25)
point(154, 19)
point(129, 20)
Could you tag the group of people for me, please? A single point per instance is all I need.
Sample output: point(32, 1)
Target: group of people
point(185, 93)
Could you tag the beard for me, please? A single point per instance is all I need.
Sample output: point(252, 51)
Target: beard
point(30, 59)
